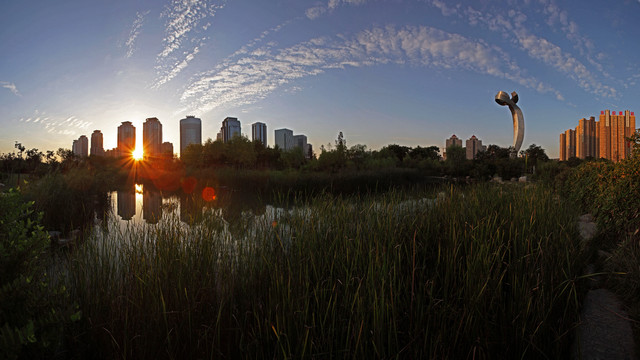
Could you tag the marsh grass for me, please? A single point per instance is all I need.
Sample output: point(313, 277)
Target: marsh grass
point(483, 272)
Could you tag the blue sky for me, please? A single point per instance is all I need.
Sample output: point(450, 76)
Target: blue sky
point(382, 72)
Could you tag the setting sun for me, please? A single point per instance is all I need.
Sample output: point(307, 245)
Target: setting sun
point(137, 154)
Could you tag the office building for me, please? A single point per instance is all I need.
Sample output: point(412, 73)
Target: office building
point(453, 141)
point(190, 132)
point(230, 128)
point(126, 139)
point(259, 133)
point(151, 138)
point(167, 149)
point(473, 146)
point(97, 148)
point(81, 146)
point(605, 138)
point(284, 139)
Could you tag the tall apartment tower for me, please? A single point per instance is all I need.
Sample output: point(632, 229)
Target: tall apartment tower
point(570, 143)
point(613, 129)
point(97, 148)
point(152, 138)
point(453, 140)
point(81, 146)
point(473, 146)
point(126, 139)
point(230, 128)
point(190, 132)
point(284, 139)
point(586, 139)
point(563, 147)
point(259, 133)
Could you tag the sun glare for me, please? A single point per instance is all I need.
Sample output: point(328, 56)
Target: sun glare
point(137, 154)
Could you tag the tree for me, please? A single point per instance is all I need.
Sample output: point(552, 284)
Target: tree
point(535, 153)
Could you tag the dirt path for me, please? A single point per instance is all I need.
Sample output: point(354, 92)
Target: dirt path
point(605, 330)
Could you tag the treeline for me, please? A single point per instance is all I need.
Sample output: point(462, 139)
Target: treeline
point(240, 153)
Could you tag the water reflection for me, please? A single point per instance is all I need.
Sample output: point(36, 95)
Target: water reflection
point(151, 206)
point(126, 203)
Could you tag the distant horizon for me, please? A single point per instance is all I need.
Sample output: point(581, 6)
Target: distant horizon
point(406, 72)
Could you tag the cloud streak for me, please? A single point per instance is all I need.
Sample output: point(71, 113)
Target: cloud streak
point(513, 27)
point(264, 70)
point(56, 125)
point(134, 32)
point(186, 21)
point(317, 11)
point(11, 87)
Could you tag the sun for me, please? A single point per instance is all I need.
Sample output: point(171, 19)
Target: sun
point(137, 154)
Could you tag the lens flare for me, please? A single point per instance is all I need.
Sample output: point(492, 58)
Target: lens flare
point(208, 194)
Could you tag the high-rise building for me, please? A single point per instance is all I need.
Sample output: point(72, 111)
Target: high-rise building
point(563, 147)
point(97, 148)
point(570, 143)
point(167, 149)
point(152, 138)
point(284, 139)
point(473, 146)
point(81, 146)
point(259, 132)
point(190, 132)
point(453, 141)
point(230, 128)
point(586, 138)
point(126, 139)
point(605, 138)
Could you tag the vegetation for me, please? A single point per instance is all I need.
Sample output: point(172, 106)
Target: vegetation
point(380, 276)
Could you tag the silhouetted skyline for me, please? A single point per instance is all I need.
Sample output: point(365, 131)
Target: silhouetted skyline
point(407, 72)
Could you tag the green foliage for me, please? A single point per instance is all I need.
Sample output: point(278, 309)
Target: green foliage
point(31, 320)
point(484, 270)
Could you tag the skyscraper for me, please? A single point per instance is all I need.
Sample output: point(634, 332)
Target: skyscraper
point(284, 139)
point(259, 132)
point(473, 145)
point(97, 149)
point(190, 132)
point(230, 128)
point(605, 138)
point(81, 146)
point(152, 138)
point(126, 139)
point(453, 141)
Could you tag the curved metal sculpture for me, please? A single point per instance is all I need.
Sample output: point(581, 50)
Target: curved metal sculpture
point(502, 98)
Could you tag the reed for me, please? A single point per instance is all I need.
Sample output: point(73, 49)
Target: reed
point(482, 272)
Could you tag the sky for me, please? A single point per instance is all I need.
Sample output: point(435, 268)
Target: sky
point(407, 72)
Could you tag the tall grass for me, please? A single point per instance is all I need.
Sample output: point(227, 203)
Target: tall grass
point(484, 272)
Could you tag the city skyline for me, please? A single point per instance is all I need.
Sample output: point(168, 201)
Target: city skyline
point(382, 72)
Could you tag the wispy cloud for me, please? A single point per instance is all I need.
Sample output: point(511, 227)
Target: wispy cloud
point(11, 86)
point(266, 69)
point(319, 10)
point(186, 21)
point(57, 125)
point(134, 32)
point(512, 26)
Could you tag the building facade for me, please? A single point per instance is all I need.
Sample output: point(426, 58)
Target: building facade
point(190, 132)
point(230, 128)
point(167, 149)
point(473, 146)
point(453, 141)
point(604, 138)
point(80, 146)
point(97, 141)
point(259, 132)
point(126, 139)
point(152, 138)
point(284, 139)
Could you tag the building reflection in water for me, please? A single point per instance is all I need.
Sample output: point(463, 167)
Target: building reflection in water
point(190, 208)
point(151, 206)
point(127, 203)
